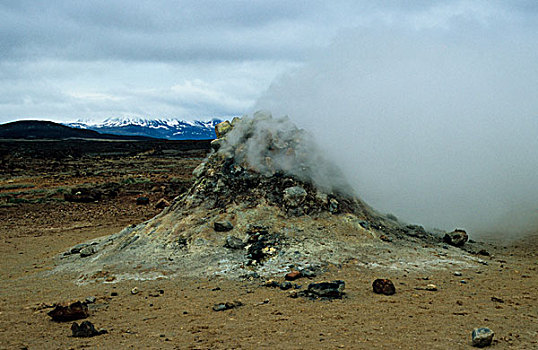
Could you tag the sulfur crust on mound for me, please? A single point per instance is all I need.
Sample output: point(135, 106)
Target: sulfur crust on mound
point(268, 179)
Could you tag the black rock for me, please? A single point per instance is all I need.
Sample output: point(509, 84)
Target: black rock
point(334, 289)
point(85, 330)
point(383, 286)
point(456, 238)
point(482, 337)
point(222, 226)
point(142, 201)
point(227, 306)
point(286, 285)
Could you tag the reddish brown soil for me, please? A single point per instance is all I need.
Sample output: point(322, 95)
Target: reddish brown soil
point(33, 231)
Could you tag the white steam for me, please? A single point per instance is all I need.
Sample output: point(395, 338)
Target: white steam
point(275, 145)
point(437, 126)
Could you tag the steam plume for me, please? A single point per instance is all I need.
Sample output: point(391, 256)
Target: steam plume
point(437, 126)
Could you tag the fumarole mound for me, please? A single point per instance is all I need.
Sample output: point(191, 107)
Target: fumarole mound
point(265, 199)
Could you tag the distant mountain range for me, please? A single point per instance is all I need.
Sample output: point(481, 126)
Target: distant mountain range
point(39, 129)
point(171, 129)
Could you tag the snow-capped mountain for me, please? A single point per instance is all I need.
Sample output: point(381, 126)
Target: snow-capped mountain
point(171, 129)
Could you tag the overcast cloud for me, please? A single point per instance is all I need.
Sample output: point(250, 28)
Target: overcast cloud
point(64, 60)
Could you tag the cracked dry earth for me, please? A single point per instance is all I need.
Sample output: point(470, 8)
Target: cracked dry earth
point(499, 292)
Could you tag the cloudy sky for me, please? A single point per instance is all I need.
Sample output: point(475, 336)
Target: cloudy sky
point(65, 60)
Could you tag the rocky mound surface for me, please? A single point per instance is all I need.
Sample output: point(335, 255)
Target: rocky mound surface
point(264, 201)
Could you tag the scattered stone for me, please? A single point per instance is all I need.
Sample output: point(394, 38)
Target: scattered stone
point(309, 272)
point(90, 300)
point(222, 226)
point(69, 311)
point(385, 238)
point(483, 252)
point(416, 231)
point(431, 287)
point(329, 290)
point(457, 273)
point(142, 201)
point(497, 300)
point(482, 337)
point(233, 242)
point(88, 251)
point(286, 285)
point(76, 249)
point(114, 294)
point(293, 275)
point(227, 306)
point(85, 330)
point(294, 196)
point(463, 282)
point(134, 291)
point(456, 238)
point(271, 284)
point(383, 286)
point(162, 203)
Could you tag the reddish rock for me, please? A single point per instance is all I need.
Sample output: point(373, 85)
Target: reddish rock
point(383, 286)
point(69, 311)
point(292, 276)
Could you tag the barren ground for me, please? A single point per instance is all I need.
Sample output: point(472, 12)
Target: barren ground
point(37, 224)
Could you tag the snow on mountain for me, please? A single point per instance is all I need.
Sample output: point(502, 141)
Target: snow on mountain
point(171, 129)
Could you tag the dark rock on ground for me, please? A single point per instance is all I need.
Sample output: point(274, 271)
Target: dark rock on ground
point(222, 226)
point(456, 238)
point(227, 306)
point(142, 201)
point(329, 290)
point(69, 311)
point(286, 285)
point(271, 284)
point(87, 251)
point(482, 337)
point(383, 286)
point(162, 203)
point(85, 330)
point(83, 195)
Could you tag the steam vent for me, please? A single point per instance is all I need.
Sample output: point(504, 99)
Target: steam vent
point(265, 199)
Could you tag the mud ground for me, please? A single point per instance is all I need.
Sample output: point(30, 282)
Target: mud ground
point(37, 223)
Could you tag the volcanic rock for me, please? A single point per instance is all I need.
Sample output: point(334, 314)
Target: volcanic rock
point(69, 311)
point(334, 289)
point(162, 203)
point(85, 330)
point(383, 286)
point(482, 337)
point(223, 226)
point(227, 306)
point(88, 251)
point(456, 238)
point(142, 200)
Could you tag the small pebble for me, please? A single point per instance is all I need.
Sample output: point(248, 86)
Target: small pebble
point(457, 273)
